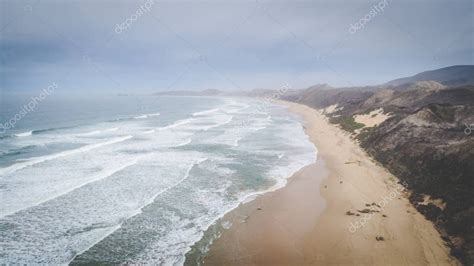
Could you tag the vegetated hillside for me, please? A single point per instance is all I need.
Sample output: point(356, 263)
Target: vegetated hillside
point(425, 141)
point(449, 76)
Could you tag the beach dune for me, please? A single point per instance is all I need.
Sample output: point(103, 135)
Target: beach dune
point(343, 210)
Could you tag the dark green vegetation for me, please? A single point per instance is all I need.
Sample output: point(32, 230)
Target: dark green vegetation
point(346, 122)
point(425, 143)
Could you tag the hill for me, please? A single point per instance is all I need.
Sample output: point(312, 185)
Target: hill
point(448, 76)
point(421, 131)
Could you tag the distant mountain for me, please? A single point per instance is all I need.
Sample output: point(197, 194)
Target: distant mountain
point(448, 76)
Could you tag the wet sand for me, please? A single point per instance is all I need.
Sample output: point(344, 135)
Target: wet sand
point(343, 210)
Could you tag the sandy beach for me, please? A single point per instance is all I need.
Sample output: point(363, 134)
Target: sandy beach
point(343, 210)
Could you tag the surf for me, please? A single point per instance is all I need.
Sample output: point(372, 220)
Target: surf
point(36, 160)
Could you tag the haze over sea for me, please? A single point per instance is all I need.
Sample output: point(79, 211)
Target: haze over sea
point(136, 179)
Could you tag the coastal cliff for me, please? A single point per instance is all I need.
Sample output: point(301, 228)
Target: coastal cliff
point(421, 132)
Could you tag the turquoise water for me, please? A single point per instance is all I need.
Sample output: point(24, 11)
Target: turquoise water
point(135, 179)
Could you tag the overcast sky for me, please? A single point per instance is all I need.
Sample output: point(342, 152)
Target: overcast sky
point(191, 45)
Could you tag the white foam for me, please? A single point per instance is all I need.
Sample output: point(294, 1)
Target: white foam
point(197, 203)
point(221, 124)
point(226, 224)
point(238, 109)
point(173, 246)
point(177, 123)
point(95, 132)
point(79, 220)
point(210, 111)
point(186, 142)
point(258, 128)
point(218, 124)
point(146, 116)
point(93, 178)
point(100, 238)
point(36, 160)
point(149, 131)
point(24, 134)
point(186, 176)
point(236, 142)
point(152, 199)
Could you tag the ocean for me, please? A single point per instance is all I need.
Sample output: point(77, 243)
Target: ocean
point(136, 179)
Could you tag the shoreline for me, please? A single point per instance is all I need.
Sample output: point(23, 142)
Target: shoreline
point(330, 213)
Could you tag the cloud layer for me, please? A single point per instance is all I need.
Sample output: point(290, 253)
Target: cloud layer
point(226, 45)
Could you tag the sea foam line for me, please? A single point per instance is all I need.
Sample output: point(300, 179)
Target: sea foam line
point(220, 124)
point(95, 132)
point(177, 123)
point(186, 142)
point(242, 199)
point(210, 111)
point(35, 160)
point(24, 134)
point(140, 210)
point(146, 116)
point(149, 131)
point(98, 176)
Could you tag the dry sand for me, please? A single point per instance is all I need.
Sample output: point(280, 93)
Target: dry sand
point(305, 223)
point(372, 119)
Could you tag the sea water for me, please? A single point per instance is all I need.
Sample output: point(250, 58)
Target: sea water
point(136, 179)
